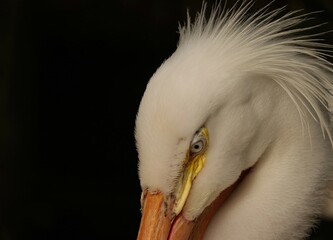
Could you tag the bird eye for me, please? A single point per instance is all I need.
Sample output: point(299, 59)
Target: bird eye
point(198, 146)
point(199, 141)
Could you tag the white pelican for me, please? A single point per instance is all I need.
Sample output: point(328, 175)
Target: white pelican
point(234, 127)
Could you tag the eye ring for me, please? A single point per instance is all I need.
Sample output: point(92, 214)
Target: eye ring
point(198, 146)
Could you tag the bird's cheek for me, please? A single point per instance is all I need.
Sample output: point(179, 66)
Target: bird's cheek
point(207, 186)
point(199, 198)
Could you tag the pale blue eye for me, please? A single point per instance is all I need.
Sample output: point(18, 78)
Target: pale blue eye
point(197, 146)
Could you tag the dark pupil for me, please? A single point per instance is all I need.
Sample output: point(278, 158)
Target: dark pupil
point(196, 146)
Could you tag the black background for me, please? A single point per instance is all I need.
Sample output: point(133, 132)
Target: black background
point(72, 76)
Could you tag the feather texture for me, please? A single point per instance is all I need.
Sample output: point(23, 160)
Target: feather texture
point(272, 45)
point(262, 87)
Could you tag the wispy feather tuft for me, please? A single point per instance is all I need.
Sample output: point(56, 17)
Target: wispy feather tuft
point(272, 44)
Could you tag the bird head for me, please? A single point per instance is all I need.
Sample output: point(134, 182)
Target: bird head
point(195, 131)
point(209, 113)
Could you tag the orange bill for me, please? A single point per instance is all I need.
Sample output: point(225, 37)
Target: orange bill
point(156, 217)
point(158, 221)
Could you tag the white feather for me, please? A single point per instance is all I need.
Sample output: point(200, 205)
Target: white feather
point(262, 90)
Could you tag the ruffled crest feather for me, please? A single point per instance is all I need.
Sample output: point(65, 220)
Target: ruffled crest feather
point(270, 44)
